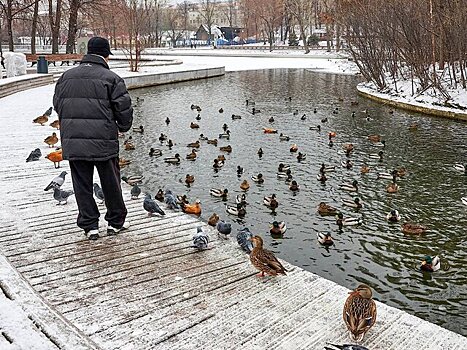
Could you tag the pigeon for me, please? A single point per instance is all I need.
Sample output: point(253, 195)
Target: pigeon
point(34, 155)
point(135, 192)
point(151, 206)
point(224, 229)
point(61, 195)
point(98, 193)
point(346, 347)
point(57, 182)
point(171, 200)
point(48, 112)
point(200, 239)
point(243, 239)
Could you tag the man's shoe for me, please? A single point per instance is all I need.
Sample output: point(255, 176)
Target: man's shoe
point(113, 231)
point(92, 234)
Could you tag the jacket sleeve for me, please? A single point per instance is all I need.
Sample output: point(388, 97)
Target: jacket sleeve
point(56, 97)
point(121, 105)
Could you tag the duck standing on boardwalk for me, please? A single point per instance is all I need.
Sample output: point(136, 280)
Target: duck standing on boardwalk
point(51, 140)
point(359, 312)
point(55, 157)
point(264, 260)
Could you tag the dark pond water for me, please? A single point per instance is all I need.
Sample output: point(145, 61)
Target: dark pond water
point(376, 253)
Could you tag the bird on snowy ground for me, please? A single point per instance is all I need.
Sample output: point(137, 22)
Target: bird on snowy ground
point(224, 229)
point(48, 112)
point(200, 239)
point(61, 195)
point(135, 191)
point(151, 206)
point(171, 200)
point(57, 182)
point(98, 193)
point(243, 239)
point(34, 155)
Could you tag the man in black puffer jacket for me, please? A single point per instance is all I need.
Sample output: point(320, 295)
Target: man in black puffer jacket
point(93, 105)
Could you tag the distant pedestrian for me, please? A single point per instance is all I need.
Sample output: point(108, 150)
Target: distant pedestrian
point(93, 106)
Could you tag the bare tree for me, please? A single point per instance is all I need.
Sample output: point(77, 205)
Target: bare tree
point(55, 21)
point(301, 10)
point(184, 11)
point(173, 20)
point(35, 16)
point(269, 13)
point(208, 11)
point(11, 11)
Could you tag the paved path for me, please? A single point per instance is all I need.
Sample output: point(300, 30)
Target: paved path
point(148, 288)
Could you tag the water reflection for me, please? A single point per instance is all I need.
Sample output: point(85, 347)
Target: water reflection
point(376, 253)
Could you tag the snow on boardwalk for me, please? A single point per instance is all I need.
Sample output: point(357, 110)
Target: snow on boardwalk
point(148, 288)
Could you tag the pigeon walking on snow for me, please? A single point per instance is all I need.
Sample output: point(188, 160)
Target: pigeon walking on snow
point(171, 200)
point(151, 206)
point(99, 193)
point(224, 229)
point(135, 192)
point(61, 195)
point(243, 239)
point(48, 112)
point(34, 155)
point(57, 182)
point(200, 239)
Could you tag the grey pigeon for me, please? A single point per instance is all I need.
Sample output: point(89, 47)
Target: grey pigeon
point(171, 200)
point(99, 193)
point(200, 239)
point(346, 347)
point(224, 229)
point(151, 206)
point(135, 192)
point(34, 155)
point(61, 195)
point(243, 237)
point(57, 182)
point(48, 112)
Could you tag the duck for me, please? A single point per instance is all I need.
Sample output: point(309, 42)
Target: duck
point(271, 119)
point(195, 144)
point(227, 148)
point(374, 138)
point(359, 312)
point(354, 103)
point(271, 201)
point(294, 186)
point(194, 125)
point(295, 112)
point(55, 124)
point(238, 210)
point(293, 148)
point(212, 142)
point(324, 120)
point(277, 228)
point(347, 164)
point(235, 117)
point(378, 156)
point(198, 117)
point(352, 203)
point(202, 137)
point(381, 144)
point(192, 155)
point(128, 146)
point(162, 138)
point(315, 127)
point(182, 199)
point(170, 144)
point(159, 195)
point(327, 168)
point(387, 176)
point(167, 120)
point(55, 157)
point(301, 156)
point(192, 208)
point(241, 199)
point(283, 137)
point(221, 110)
point(239, 170)
point(122, 162)
point(315, 110)
point(258, 178)
point(303, 117)
point(51, 140)
point(365, 169)
point(284, 174)
point(225, 135)
point(332, 134)
point(430, 264)
point(216, 192)
point(255, 111)
point(351, 187)
point(41, 120)
point(189, 179)
point(321, 177)
point(173, 160)
point(225, 127)
point(213, 219)
point(401, 172)
point(340, 221)
point(218, 164)
point(283, 167)
point(413, 229)
point(155, 152)
point(245, 185)
point(353, 115)
point(139, 129)
point(325, 209)
point(193, 107)
point(133, 179)
point(393, 216)
point(348, 147)
point(392, 188)
point(460, 167)
point(269, 131)
point(324, 238)
point(264, 260)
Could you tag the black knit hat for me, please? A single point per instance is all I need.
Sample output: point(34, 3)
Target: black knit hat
point(99, 46)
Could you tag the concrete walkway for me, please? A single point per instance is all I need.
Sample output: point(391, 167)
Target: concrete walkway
point(149, 288)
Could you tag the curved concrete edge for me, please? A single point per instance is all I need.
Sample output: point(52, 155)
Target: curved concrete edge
point(152, 79)
point(10, 86)
point(29, 321)
point(250, 55)
point(411, 106)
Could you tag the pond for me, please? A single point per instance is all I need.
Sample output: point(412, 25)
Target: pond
point(376, 253)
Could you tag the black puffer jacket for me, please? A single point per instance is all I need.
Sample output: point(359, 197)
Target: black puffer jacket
point(93, 104)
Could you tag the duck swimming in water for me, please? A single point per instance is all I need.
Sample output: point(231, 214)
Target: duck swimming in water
point(325, 209)
point(352, 187)
point(277, 229)
point(413, 229)
point(324, 238)
point(393, 216)
point(245, 185)
point(294, 186)
point(431, 264)
point(258, 178)
point(352, 203)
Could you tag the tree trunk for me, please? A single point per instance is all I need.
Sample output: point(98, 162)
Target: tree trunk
point(9, 20)
point(55, 24)
point(303, 34)
point(72, 25)
point(34, 26)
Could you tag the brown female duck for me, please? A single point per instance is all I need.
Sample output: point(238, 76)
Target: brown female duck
point(359, 312)
point(264, 260)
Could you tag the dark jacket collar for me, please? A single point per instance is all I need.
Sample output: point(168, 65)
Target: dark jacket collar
point(95, 59)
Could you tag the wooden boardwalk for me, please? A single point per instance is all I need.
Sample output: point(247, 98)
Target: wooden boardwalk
point(148, 288)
